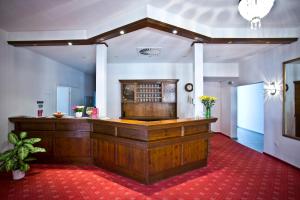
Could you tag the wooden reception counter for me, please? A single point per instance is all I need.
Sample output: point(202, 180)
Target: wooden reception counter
point(145, 151)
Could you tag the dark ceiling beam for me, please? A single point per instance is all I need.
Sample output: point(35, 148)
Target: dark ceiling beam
point(155, 24)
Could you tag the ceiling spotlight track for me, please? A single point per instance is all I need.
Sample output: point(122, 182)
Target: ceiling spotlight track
point(255, 10)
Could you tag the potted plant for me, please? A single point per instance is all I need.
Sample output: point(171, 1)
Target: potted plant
point(17, 158)
point(208, 102)
point(78, 110)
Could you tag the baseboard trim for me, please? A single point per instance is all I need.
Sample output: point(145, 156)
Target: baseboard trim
point(281, 160)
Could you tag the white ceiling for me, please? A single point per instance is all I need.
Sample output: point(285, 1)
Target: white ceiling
point(224, 13)
point(53, 15)
point(123, 50)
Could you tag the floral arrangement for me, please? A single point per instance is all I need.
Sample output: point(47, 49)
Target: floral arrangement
point(208, 102)
point(78, 109)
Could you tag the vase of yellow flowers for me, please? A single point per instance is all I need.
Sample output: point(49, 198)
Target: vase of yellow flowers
point(208, 102)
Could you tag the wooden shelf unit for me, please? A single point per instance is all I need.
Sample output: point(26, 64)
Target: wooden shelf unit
point(151, 99)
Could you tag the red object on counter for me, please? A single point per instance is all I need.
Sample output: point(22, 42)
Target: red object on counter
point(95, 113)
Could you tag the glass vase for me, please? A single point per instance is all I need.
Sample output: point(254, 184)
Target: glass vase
point(208, 112)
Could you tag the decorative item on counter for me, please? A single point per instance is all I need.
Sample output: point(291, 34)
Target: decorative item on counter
point(95, 113)
point(16, 159)
point(40, 108)
point(78, 111)
point(89, 111)
point(58, 114)
point(208, 102)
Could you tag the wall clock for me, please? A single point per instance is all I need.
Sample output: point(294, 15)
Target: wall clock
point(188, 87)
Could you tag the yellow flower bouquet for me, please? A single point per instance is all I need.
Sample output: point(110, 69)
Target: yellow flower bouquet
point(208, 102)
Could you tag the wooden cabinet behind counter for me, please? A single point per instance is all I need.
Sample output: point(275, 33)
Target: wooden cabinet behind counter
point(66, 140)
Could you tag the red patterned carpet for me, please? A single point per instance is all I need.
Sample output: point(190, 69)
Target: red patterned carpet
point(233, 172)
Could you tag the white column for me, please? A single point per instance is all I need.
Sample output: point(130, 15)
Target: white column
point(198, 78)
point(101, 79)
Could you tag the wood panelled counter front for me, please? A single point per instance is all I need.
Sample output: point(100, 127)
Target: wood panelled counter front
point(145, 151)
point(66, 140)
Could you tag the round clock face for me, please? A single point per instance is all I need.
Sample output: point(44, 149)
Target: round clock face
point(188, 87)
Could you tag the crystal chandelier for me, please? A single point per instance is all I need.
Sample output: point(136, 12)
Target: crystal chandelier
point(255, 10)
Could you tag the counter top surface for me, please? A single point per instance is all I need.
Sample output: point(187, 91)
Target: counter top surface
point(121, 121)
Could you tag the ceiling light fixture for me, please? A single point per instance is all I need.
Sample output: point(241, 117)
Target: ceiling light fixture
point(175, 31)
point(149, 51)
point(70, 43)
point(255, 10)
point(122, 32)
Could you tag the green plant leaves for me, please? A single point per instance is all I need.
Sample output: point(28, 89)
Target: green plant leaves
point(38, 149)
point(32, 140)
point(13, 138)
point(30, 147)
point(23, 152)
point(23, 135)
point(24, 167)
point(17, 157)
point(9, 165)
point(6, 155)
point(29, 159)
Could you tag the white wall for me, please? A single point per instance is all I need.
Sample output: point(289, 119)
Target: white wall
point(26, 77)
point(250, 107)
point(228, 109)
point(267, 66)
point(221, 69)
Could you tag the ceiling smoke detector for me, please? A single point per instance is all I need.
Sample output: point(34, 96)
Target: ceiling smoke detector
point(149, 51)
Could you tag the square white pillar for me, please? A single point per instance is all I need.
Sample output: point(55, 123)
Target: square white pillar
point(101, 79)
point(198, 78)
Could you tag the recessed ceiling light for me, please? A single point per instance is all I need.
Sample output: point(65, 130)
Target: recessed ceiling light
point(174, 31)
point(70, 43)
point(122, 32)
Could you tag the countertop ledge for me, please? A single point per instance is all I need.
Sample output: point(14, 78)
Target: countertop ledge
point(117, 121)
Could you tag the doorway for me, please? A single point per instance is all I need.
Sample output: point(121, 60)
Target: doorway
point(66, 98)
point(63, 100)
point(250, 116)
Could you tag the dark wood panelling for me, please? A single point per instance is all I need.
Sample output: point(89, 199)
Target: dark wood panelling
point(136, 134)
point(164, 133)
point(189, 130)
point(72, 144)
point(145, 151)
point(46, 142)
point(37, 126)
point(103, 129)
point(148, 22)
point(189, 149)
point(65, 140)
point(70, 126)
point(164, 158)
point(105, 153)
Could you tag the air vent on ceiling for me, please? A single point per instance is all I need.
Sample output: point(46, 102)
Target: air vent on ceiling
point(148, 51)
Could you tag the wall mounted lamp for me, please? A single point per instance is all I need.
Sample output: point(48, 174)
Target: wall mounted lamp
point(272, 88)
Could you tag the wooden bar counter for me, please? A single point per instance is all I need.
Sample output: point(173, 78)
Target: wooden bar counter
point(145, 151)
